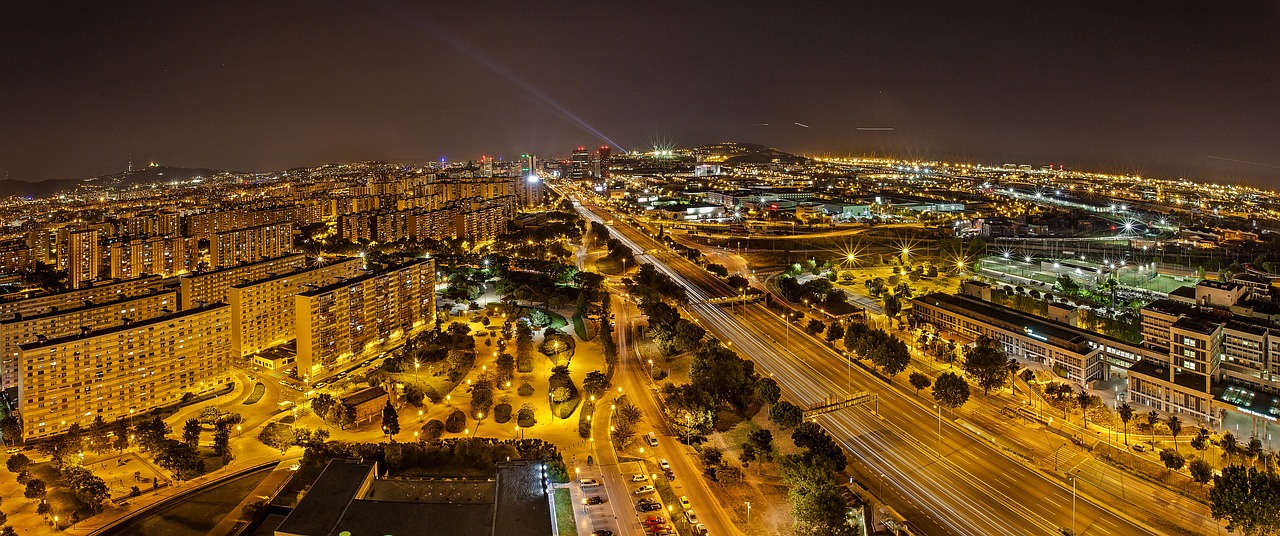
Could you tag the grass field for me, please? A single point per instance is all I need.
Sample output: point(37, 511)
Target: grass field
point(564, 512)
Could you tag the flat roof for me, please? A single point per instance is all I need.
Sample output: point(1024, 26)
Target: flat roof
point(1196, 325)
point(1010, 317)
point(291, 273)
point(326, 501)
point(87, 306)
point(122, 327)
point(381, 518)
point(521, 508)
point(358, 279)
point(240, 266)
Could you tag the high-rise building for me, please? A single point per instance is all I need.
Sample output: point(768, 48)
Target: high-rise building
point(62, 322)
point(602, 162)
point(262, 311)
point(113, 372)
point(348, 320)
point(579, 164)
point(75, 298)
point(250, 244)
point(79, 255)
point(210, 287)
point(160, 255)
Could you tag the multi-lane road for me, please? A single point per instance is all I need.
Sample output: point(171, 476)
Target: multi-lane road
point(952, 482)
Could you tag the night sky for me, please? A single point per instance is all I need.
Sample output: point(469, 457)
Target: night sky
point(1159, 88)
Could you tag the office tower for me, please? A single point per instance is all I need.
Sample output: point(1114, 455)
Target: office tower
point(602, 162)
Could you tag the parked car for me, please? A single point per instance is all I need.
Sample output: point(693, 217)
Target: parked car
point(691, 517)
point(671, 475)
point(650, 507)
point(652, 439)
point(595, 499)
point(589, 482)
point(1139, 447)
point(655, 520)
point(643, 490)
point(602, 532)
point(639, 478)
point(664, 465)
point(684, 502)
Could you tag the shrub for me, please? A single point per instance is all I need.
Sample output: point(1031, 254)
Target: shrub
point(502, 413)
point(584, 419)
point(525, 389)
point(456, 422)
point(525, 418)
point(432, 430)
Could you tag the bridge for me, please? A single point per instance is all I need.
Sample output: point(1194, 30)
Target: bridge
point(740, 298)
point(858, 399)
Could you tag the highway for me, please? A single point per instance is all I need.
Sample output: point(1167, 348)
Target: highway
point(958, 485)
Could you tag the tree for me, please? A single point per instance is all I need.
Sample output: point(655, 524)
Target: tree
point(151, 432)
point(892, 305)
point(481, 397)
point(1200, 441)
point(719, 372)
point(815, 327)
point(767, 390)
point(35, 489)
point(1171, 459)
point(191, 432)
point(323, 404)
point(185, 461)
point(822, 449)
point(919, 381)
point(1126, 413)
point(1152, 419)
point(1175, 428)
point(785, 414)
point(951, 391)
point(391, 420)
point(987, 363)
point(8, 531)
point(761, 440)
point(595, 383)
point(277, 436)
point(1085, 400)
point(222, 443)
point(1229, 445)
point(1201, 471)
point(1245, 498)
point(17, 463)
point(834, 331)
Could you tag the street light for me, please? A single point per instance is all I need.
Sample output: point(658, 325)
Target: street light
point(748, 512)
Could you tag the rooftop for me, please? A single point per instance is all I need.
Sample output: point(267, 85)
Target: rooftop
point(364, 395)
point(205, 307)
point(359, 279)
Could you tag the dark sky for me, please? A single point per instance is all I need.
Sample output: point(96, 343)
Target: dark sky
point(1160, 88)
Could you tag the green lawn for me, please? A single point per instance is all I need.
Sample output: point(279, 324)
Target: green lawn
point(580, 327)
point(564, 512)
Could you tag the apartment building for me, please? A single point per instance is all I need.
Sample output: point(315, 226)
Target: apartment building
point(80, 255)
point(134, 367)
point(262, 314)
point(351, 319)
point(77, 298)
point(214, 286)
point(159, 255)
point(88, 315)
point(250, 244)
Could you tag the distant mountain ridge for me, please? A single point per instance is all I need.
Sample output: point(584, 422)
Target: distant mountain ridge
point(124, 179)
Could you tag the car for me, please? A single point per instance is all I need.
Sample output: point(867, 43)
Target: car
point(643, 490)
point(647, 500)
point(294, 467)
point(602, 532)
point(671, 475)
point(639, 478)
point(322, 385)
point(655, 520)
point(595, 499)
point(666, 466)
point(691, 517)
point(589, 482)
point(1139, 447)
point(684, 502)
point(650, 507)
point(652, 439)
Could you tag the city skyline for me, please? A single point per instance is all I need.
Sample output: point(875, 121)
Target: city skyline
point(1122, 90)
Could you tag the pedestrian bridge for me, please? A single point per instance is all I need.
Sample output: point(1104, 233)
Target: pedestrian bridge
point(858, 399)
